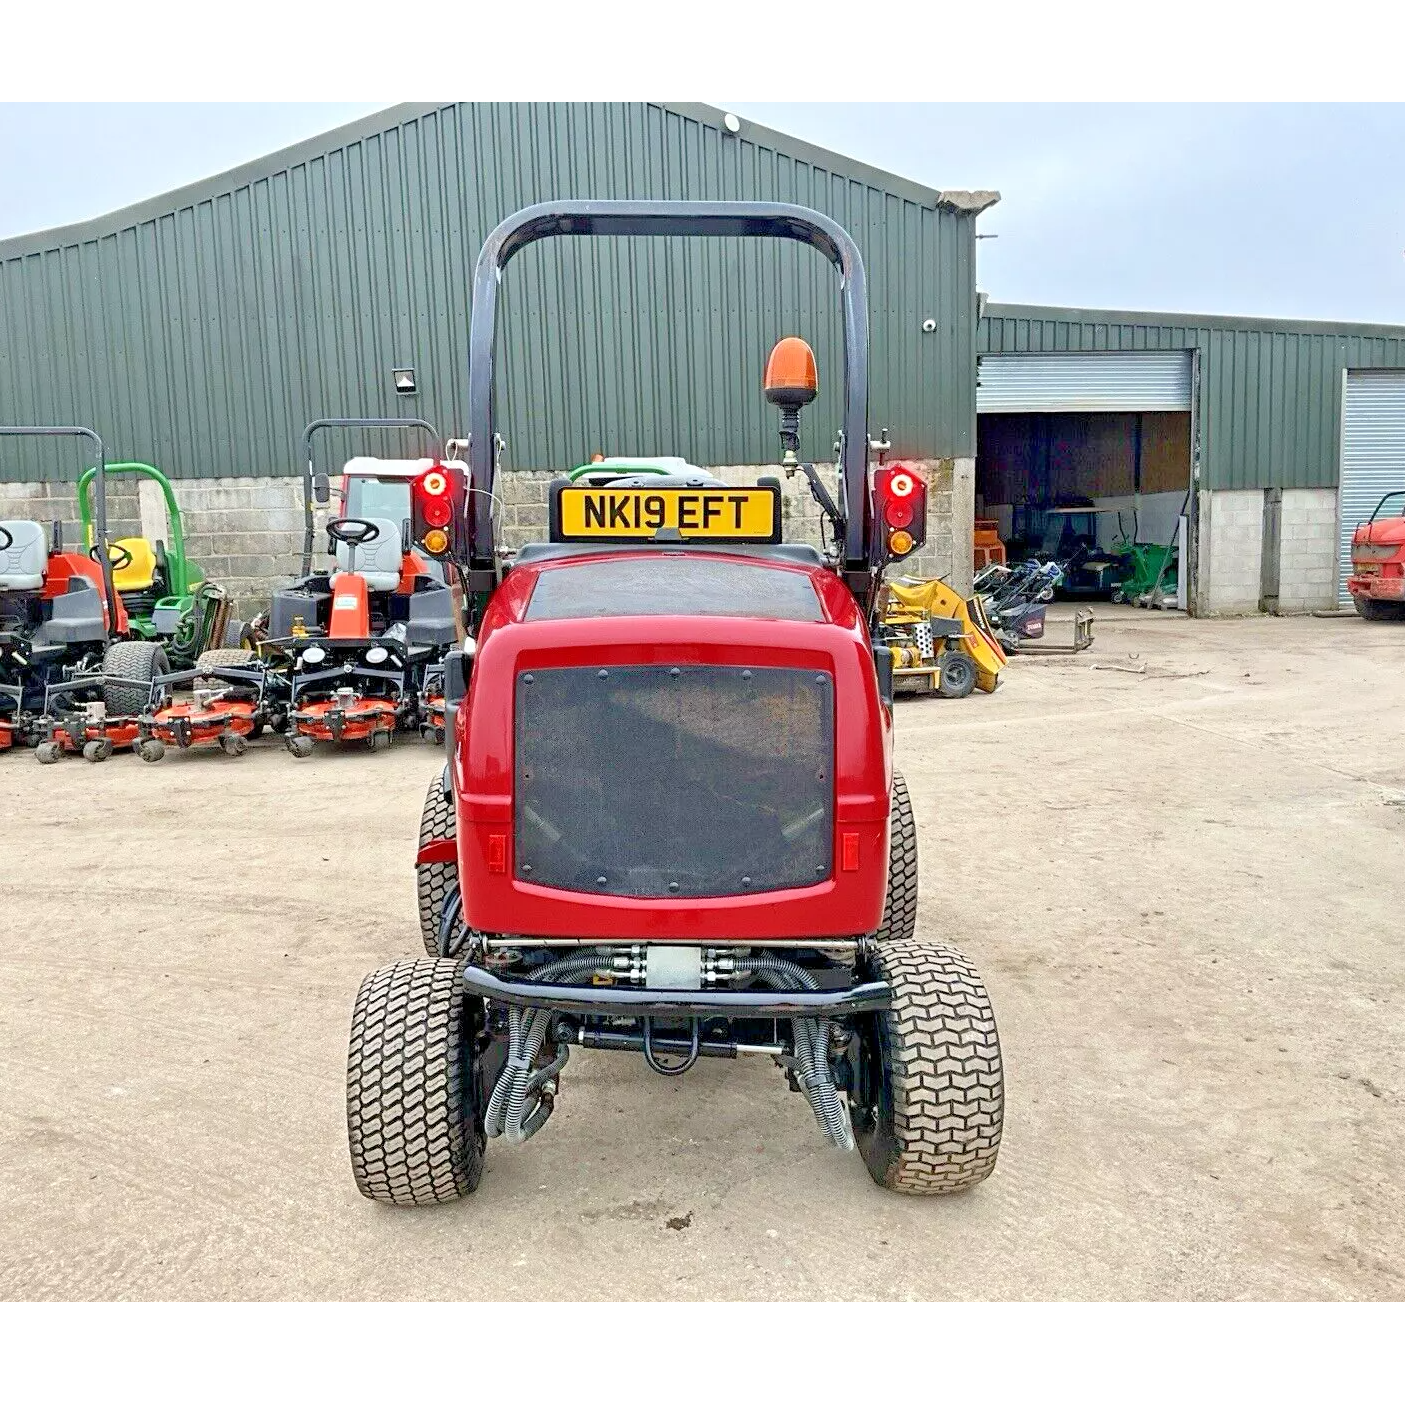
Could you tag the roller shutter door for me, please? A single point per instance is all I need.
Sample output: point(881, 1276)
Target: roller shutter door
point(1373, 453)
point(1083, 382)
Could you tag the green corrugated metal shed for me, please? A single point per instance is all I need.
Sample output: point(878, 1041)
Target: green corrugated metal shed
point(1269, 406)
point(204, 328)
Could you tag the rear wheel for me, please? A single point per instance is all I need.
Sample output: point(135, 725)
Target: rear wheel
point(414, 1135)
point(128, 668)
point(434, 882)
point(46, 753)
point(927, 1113)
point(1378, 610)
point(900, 904)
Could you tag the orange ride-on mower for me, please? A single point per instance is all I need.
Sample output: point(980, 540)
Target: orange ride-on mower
point(362, 648)
point(671, 827)
point(69, 680)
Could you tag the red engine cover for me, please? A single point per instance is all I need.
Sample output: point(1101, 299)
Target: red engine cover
point(351, 608)
point(844, 904)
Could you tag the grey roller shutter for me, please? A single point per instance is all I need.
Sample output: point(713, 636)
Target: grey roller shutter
point(1373, 453)
point(1062, 382)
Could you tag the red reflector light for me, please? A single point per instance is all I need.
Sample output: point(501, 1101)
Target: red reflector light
point(849, 852)
point(437, 512)
point(899, 514)
point(497, 853)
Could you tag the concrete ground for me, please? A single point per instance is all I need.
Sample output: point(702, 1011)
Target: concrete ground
point(1182, 883)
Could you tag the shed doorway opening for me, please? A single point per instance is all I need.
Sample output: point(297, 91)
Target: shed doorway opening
point(1086, 459)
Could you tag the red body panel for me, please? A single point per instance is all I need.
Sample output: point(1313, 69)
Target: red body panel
point(844, 904)
point(350, 616)
point(1379, 575)
point(63, 566)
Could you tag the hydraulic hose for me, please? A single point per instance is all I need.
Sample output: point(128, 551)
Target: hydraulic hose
point(811, 1049)
point(507, 1114)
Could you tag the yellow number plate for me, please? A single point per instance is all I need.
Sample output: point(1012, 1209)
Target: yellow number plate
point(665, 514)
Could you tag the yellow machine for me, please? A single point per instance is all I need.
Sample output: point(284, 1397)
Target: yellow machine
point(937, 636)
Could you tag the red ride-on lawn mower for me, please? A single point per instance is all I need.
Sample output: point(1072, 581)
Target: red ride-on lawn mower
point(670, 824)
point(70, 681)
point(362, 648)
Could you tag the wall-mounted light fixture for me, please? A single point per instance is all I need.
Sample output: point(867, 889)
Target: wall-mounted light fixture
point(732, 123)
point(404, 379)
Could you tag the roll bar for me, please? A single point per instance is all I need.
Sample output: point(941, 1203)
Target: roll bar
point(731, 219)
point(336, 423)
point(176, 563)
point(78, 431)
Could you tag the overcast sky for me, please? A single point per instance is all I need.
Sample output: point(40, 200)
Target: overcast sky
point(1281, 211)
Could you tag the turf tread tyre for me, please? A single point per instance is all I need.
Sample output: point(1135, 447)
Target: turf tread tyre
point(435, 881)
point(900, 902)
point(940, 1131)
point(412, 1138)
point(135, 659)
point(224, 658)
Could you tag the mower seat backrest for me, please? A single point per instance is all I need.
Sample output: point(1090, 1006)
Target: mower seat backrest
point(22, 563)
point(378, 560)
point(140, 572)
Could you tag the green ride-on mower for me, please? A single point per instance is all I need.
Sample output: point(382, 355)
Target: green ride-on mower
point(167, 598)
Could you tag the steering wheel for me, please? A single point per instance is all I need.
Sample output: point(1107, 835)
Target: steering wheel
point(6, 540)
point(117, 554)
point(352, 531)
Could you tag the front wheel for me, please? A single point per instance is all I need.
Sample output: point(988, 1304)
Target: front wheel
point(956, 674)
point(414, 1134)
point(930, 1100)
point(128, 669)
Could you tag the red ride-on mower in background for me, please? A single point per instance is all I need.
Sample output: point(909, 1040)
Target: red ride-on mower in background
point(363, 648)
point(670, 825)
point(70, 680)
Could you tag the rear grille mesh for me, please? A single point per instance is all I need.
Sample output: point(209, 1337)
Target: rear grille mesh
point(674, 781)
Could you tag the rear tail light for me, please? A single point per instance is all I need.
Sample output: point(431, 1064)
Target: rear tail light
point(901, 499)
point(437, 497)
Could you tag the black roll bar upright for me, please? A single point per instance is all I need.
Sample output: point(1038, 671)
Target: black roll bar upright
point(732, 219)
point(78, 431)
point(342, 423)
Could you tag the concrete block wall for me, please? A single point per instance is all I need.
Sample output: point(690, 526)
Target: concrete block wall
point(247, 533)
point(1307, 560)
point(1229, 570)
point(51, 502)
